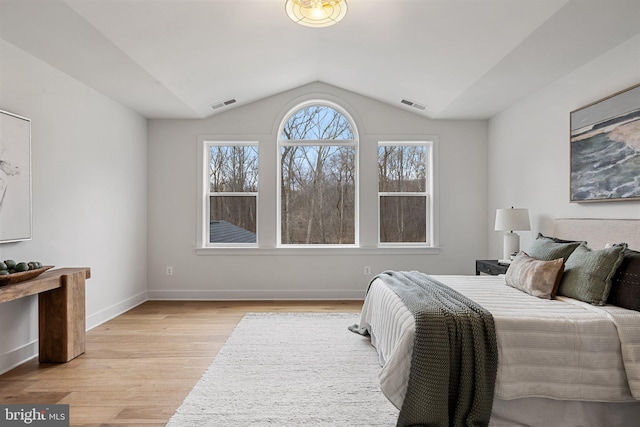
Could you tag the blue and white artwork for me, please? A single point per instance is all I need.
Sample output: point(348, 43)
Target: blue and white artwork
point(605, 149)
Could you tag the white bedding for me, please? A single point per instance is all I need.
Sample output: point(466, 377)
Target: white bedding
point(559, 349)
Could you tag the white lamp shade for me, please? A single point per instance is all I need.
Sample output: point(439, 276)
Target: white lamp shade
point(512, 220)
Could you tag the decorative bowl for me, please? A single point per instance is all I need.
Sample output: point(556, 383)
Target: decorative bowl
point(10, 279)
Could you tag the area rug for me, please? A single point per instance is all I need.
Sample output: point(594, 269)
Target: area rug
point(290, 369)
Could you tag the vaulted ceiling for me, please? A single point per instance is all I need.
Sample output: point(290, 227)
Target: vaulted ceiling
point(458, 58)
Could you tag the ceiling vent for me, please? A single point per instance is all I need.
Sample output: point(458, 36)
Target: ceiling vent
point(223, 103)
point(413, 104)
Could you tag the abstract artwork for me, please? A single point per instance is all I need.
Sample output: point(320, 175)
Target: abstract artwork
point(15, 177)
point(605, 149)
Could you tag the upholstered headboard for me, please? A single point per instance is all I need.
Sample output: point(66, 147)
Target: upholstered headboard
point(598, 232)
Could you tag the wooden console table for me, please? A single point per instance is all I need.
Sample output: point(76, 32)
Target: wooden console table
point(61, 311)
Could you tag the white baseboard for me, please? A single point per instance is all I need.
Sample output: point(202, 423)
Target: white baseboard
point(109, 313)
point(256, 295)
point(17, 357)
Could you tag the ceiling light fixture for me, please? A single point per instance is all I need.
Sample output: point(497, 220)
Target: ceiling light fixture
point(316, 13)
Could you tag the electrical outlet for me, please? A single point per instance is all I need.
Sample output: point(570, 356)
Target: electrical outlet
point(169, 271)
point(367, 270)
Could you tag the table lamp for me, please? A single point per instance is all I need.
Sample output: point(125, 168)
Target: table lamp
point(509, 220)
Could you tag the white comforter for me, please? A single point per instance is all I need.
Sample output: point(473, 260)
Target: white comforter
point(559, 349)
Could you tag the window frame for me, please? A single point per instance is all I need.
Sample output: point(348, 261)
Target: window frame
point(207, 193)
point(337, 142)
point(367, 220)
point(429, 194)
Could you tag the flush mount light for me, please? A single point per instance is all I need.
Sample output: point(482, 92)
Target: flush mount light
point(316, 13)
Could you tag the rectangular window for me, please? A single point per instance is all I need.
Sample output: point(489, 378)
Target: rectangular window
point(404, 193)
point(318, 194)
point(232, 193)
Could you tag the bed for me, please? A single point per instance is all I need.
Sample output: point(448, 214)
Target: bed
point(560, 361)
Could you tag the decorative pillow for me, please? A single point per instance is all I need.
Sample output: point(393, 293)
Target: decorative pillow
point(625, 287)
point(588, 273)
point(535, 277)
point(557, 240)
point(548, 248)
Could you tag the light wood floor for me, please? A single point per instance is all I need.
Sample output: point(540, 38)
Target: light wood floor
point(138, 367)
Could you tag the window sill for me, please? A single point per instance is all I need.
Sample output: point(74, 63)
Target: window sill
point(406, 250)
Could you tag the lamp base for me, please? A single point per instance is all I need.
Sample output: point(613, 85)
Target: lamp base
point(511, 244)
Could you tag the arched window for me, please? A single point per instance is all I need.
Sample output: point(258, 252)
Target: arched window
point(318, 164)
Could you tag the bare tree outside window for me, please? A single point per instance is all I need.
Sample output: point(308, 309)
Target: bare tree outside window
point(317, 178)
point(402, 188)
point(233, 187)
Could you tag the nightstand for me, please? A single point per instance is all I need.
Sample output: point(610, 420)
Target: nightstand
point(490, 266)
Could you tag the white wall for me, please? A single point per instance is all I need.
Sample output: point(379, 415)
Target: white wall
point(173, 180)
point(89, 194)
point(529, 146)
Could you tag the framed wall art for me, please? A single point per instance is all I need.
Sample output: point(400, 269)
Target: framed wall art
point(15, 177)
point(605, 149)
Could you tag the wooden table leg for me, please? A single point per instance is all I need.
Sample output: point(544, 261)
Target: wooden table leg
point(62, 320)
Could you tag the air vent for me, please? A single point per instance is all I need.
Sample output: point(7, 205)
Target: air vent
point(412, 104)
point(223, 103)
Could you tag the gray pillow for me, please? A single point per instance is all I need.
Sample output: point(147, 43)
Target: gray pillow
point(588, 273)
point(549, 249)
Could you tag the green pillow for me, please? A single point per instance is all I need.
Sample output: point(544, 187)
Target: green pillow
point(588, 273)
point(549, 249)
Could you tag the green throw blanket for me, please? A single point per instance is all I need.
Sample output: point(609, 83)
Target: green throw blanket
point(455, 356)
